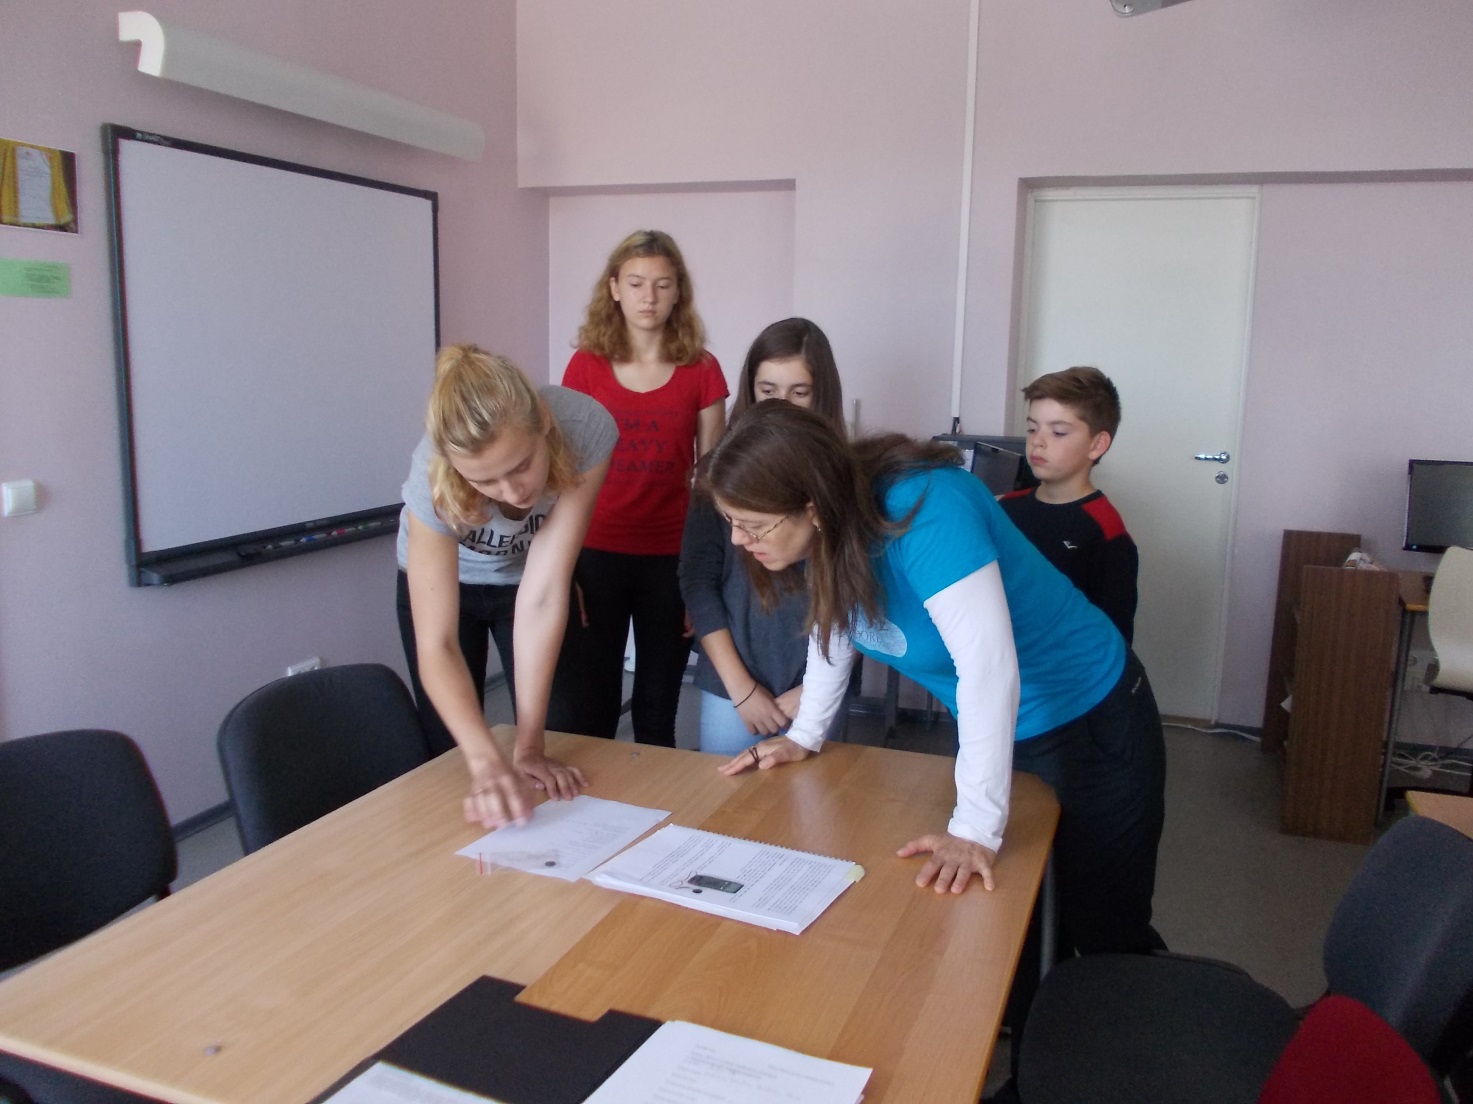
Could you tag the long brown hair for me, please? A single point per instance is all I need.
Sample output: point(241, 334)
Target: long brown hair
point(604, 330)
point(778, 458)
point(476, 397)
point(795, 337)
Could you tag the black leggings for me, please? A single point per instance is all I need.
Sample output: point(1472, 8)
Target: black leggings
point(1108, 771)
point(588, 689)
point(485, 611)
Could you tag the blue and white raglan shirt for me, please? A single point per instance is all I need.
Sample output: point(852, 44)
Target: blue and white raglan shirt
point(975, 614)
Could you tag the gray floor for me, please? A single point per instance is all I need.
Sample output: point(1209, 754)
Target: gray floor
point(1229, 884)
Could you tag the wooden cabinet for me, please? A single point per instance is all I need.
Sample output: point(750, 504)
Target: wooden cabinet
point(1332, 657)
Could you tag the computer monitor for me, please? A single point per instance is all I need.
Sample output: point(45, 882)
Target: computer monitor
point(1000, 462)
point(1439, 505)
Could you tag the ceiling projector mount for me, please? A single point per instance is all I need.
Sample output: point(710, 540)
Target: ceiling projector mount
point(1140, 7)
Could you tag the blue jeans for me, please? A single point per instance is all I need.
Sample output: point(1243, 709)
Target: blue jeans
point(723, 731)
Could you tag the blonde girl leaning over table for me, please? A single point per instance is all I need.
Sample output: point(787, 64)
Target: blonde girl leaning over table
point(750, 672)
point(498, 498)
point(641, 353)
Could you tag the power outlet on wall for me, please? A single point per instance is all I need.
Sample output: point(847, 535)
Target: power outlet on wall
point(306, 665)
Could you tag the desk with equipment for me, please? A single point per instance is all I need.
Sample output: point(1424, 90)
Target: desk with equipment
point(273, 978)
point(1336, 682)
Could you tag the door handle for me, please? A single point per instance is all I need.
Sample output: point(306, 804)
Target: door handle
point(1214, 457)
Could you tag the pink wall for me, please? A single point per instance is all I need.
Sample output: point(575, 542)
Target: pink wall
point(1360, 317)
point(738, 245)
point(863, 112)
point(78, 647)
point(860, 104)
point(1069, 89)
point(1361, 358)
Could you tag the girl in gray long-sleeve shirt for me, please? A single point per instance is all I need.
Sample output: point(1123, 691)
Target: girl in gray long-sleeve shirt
point(750, 671)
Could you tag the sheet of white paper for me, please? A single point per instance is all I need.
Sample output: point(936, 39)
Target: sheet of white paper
point(565, 839)
point(684, 1063)
point(741, 879)
point(34, 190)
point(381, 1083)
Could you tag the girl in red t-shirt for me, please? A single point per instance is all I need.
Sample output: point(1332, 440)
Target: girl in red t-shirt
point(641, 353)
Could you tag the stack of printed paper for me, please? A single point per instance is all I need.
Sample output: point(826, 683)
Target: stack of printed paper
point(684, 1062)
point(758, 883)
point(564, 839)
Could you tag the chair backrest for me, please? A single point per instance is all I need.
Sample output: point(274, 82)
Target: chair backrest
point(1401, 939)
point(1450, 621)
point(300, 747)
point(1343, 1053)
point(83, 838)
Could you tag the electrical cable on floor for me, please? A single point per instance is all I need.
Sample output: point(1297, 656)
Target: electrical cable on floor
point(1214, 731)
point(1424, 764)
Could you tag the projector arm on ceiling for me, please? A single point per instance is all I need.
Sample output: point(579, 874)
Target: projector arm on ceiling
point(1140, 7)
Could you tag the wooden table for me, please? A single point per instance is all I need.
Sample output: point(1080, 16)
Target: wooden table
point(1452, 809)
point(271, 978)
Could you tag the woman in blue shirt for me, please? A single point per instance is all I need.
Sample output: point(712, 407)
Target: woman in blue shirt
point(908, 559)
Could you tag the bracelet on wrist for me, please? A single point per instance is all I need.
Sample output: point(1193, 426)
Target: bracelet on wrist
point(749, 694)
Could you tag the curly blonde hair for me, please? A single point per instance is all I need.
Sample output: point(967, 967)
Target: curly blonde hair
point(604, 331)
point(476, 397)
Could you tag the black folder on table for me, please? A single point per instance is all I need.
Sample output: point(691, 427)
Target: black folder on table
point(483, 1041)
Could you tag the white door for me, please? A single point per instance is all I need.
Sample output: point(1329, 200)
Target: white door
point(1154, 287)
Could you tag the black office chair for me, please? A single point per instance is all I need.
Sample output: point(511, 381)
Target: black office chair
point(302, 746)
point(83, 838)
point(1162, 1029)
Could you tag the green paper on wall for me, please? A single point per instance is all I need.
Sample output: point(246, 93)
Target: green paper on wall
point(35, 279)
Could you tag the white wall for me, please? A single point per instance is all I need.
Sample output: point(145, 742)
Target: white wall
point(78, 647)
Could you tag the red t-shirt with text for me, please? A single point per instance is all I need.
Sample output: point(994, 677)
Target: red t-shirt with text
point(641, 508)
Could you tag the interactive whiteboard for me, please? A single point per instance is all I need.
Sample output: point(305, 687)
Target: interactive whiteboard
point(277, 328)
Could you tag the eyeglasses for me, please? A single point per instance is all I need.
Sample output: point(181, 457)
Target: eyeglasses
point(749, 533)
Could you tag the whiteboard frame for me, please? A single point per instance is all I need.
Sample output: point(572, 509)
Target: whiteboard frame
point(305, 495)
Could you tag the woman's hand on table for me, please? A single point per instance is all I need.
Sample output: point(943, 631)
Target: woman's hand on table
point(500, 794)
point(952, 861)
point(560, 781)
point(766, 755)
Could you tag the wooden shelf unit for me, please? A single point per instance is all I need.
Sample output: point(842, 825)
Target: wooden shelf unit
point(1334, 651)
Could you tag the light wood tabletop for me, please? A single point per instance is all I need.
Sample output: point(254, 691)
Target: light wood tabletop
point(271, 978)
point(1452, 809)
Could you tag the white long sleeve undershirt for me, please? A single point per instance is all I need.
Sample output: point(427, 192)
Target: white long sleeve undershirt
point(824, 684)
point(972, 617)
